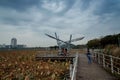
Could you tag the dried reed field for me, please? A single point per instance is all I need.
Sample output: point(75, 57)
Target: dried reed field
point(21, 65)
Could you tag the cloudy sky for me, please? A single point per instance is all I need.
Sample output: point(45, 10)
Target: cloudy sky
point(29, 20)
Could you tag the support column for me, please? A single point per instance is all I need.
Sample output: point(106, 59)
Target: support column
point(103, 60)
point(111, 60)
point(98, 58)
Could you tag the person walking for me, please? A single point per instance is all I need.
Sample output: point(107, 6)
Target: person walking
point(89, 57)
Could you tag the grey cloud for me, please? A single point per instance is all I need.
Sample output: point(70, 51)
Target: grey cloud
point(66, 6)
point(85, 4)
point(108, 26)
point(10, 11)
point(22, 5)
point(19, 5)
point(108, 7)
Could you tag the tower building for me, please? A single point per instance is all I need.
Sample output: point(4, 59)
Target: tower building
point(13, 42)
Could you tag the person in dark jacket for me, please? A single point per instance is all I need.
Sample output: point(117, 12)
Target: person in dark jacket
point(89, 57)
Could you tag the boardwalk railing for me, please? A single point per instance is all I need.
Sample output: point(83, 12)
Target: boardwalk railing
point(108, 62)
point(74, 69)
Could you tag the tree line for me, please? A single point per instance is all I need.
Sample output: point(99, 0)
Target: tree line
point(104, 41)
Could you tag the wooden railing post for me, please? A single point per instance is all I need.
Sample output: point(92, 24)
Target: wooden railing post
point(118, 70)
point(103, 60)
point(111, 60)
point(95, 56)
point(99, 58)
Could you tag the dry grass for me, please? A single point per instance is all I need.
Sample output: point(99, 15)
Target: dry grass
point(116, 52)
point(112, 50)
point(21, 65)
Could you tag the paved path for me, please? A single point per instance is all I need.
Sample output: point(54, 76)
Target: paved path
point(91, 71)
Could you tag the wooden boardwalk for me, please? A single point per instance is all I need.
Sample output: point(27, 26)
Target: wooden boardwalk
point(85, 71)
point(92, 71)
point(54, 57)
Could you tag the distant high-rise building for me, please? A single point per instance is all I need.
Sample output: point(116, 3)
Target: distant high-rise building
point(13, 42)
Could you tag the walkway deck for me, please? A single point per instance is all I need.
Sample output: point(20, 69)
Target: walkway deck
point(54, 57)
point(91, 71)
